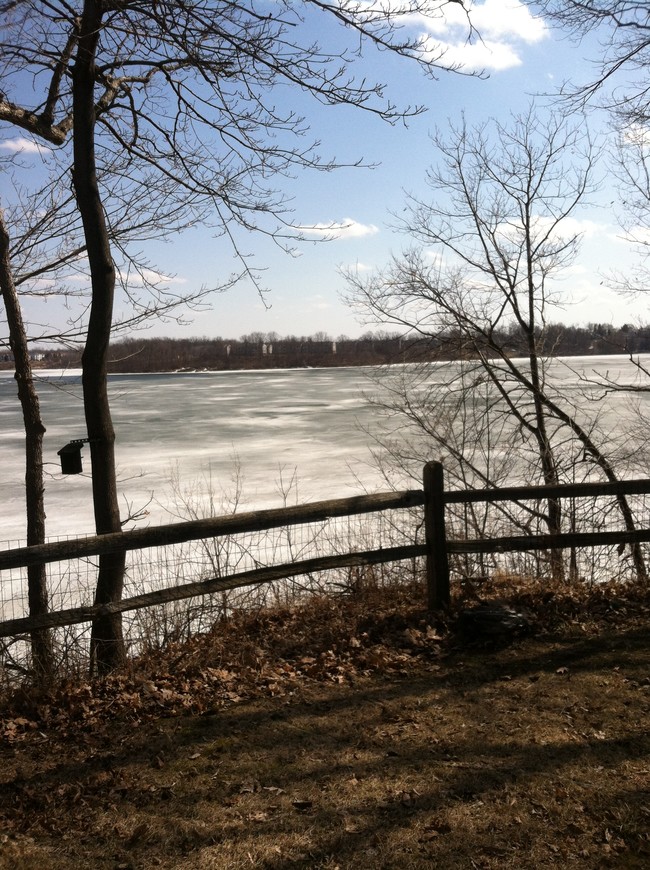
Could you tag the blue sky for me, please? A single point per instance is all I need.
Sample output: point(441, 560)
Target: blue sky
point(523, 58)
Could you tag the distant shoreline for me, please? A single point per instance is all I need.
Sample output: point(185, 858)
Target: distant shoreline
point(262, 352)
point(76, 371)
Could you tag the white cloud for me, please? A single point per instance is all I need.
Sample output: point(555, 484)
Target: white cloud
point(636, 134)
point(41, 287)
point(358, 267)
point(570, 226)
point(512, 230)
point(499, 19)
point(79, 278)
point(138, 278)
point(493, 19)
point(502, 26)
point(345, 229)
point(42, 284)
point(478, 56)
point(21, 145)
point(636, 235)
point(576, 270)
point(434, 257)
point(132, 277)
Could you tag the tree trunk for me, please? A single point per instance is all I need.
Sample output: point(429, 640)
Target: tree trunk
point(107, 640)
point(546, 453)
point(599, 458)
point(547, 458)
point(538, 430)
point(604, 464)
point(42, 658)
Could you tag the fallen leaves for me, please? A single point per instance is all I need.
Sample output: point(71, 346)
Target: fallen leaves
point(247, 657)
point(13, 729)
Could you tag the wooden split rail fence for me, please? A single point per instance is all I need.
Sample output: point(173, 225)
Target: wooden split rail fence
point(436, 547)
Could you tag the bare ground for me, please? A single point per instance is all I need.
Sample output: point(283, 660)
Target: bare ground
point(350, 733)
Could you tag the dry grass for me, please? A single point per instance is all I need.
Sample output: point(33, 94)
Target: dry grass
point(350, 734)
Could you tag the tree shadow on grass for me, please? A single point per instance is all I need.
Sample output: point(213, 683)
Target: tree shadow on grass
point(537, 753)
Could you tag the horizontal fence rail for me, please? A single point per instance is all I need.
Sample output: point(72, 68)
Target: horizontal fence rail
point(436, 547)
point(640, 486)
point(437, 498)
point(213, 527)
point(523, 543)
point(76, 615)
point(195, 530)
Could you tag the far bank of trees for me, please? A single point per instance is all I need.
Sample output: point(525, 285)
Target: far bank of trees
point(270, 350)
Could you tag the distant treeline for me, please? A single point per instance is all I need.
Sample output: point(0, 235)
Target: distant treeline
point(269, 350)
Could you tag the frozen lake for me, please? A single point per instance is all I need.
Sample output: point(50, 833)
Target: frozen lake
point(271, 425)
point(255, 430)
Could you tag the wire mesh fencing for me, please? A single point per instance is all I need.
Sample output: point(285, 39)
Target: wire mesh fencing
point(71, 583)
point(529, 519)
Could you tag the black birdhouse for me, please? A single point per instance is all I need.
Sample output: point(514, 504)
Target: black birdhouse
point(71, 456)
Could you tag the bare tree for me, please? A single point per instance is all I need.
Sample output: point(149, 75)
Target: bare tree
point(188, 95)
point(46, 248)
point(49, 257)
point(620, 83)
point(631, 166)
point(621, 72)
point(492, 238)
point(34, 431)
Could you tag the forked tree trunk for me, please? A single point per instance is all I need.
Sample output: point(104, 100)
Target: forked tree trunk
point(107, 640)
point(42, 658)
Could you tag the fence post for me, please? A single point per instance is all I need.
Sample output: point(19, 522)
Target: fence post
point(436, 539)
